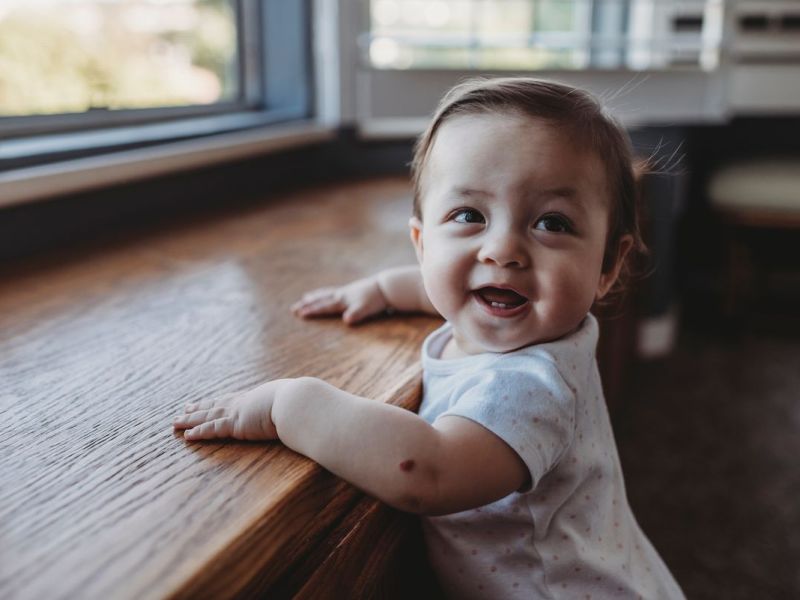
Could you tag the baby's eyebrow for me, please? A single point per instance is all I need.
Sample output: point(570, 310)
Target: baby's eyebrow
point(472, 192)
point(567, 192)
point(562, 192)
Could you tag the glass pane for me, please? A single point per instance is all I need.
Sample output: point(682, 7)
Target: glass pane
point(70, 56)
point(555, 16)
point(479, 34)
point(544, 34)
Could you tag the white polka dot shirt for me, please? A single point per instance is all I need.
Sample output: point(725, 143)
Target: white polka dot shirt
point(572, 533)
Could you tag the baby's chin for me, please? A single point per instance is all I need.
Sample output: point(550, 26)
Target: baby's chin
point(471, 344)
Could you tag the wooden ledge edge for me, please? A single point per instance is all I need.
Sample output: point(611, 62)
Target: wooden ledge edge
point(276, 554)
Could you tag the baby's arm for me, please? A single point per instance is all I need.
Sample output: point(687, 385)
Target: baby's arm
point(389, 452)
point(399, 289)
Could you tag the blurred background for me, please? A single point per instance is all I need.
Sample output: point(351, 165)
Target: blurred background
point(117, 115)
point(71, 57)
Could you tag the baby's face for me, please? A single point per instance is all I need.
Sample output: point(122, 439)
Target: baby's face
point(514, 224)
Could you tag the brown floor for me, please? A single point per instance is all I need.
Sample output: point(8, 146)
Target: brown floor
point(710, 444)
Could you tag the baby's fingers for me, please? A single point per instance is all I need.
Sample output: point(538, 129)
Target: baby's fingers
point(196, 406)
point(356, 314)
point(322, 302)
point(316, 295)
point(197, 417)
point(218, 428)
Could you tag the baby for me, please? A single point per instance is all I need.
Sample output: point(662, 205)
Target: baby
point(524, 217)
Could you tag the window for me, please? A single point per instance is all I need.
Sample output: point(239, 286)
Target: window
point(79, 77)
point(78, 56)
point(543, 34)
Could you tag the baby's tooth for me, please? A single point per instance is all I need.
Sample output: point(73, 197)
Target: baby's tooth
point(499, 305)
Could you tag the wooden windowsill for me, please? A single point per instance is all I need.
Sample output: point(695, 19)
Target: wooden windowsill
point(98, 497)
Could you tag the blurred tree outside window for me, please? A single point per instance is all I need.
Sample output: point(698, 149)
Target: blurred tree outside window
point(72, 56)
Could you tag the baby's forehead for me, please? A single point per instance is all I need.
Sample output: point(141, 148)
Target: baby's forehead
point(482, 154)
point(464, 135)
point(565, 135)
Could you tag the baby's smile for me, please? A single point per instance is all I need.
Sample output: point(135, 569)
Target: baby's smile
point(501, 301)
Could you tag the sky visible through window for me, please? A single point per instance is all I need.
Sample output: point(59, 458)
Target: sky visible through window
point(71, 56)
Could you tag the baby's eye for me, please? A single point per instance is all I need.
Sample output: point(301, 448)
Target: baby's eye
point(468, 215)
point(554, 224)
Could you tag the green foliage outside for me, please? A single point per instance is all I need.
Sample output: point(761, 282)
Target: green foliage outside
point(46, 67)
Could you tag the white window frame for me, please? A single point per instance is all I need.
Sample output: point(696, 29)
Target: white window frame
point(384, 107)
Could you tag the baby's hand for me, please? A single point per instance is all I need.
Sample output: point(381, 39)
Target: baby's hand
point(246, 416)
point(355, 301)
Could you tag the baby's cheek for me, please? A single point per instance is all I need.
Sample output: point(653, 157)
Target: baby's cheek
point(440, 281)
point(437, 292)
point(563, 291)
point(577, 291)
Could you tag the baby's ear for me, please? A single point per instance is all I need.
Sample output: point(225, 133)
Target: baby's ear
point(608, 278)
point(415, 227)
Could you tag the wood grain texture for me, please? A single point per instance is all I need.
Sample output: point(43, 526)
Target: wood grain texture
point(376, 552)
point(98, 497)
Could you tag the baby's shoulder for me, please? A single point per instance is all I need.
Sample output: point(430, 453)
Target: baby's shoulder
point(573, 353)
point(522, 378)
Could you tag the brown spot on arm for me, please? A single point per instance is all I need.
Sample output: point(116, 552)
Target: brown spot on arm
point(407, 465)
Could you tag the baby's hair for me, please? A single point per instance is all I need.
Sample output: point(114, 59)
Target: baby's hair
point(582, 117)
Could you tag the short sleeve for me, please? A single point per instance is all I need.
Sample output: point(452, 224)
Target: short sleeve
point(531, 409)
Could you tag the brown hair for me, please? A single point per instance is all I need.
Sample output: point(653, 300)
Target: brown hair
point(574, 109)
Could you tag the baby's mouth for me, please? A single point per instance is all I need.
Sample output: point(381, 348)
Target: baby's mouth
point(500, 298)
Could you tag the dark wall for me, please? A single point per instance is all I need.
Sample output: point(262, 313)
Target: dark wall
point(701, 237)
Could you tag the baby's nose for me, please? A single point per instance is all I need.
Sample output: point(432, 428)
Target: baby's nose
point(505, 251)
